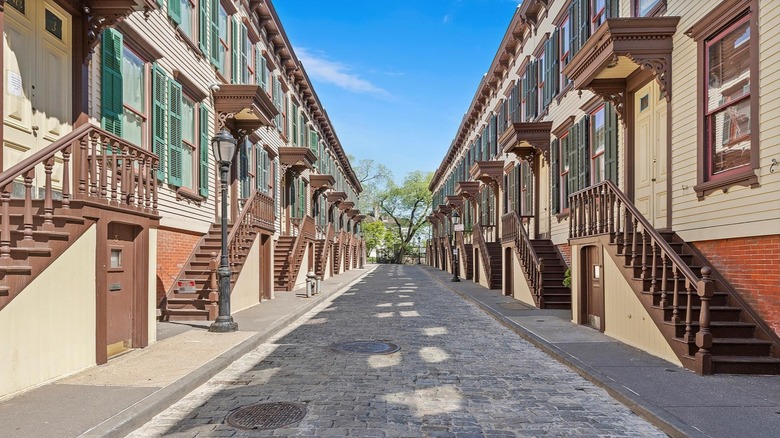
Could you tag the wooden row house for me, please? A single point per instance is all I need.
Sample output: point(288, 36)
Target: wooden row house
point(109, 191)
point(619, 159)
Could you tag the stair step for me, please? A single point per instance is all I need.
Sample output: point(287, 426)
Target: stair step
point(719, 329)
point(740, 347)
point(187, 314)
point(745, 365)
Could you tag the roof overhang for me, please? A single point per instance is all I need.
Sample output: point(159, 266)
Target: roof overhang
point(444, 209)
point(353, 212)
point(336, 197)
point(488, 172)
point(296, 158)
point(321, 182)
point(454, 201)
point(467, 189)
point(527, 139)
point(243, 107)
point(346, 206)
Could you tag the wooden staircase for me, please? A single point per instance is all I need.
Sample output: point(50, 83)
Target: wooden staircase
point(710, 327)
point(465, 252)
point(324, 247)
point(289, 253)
point(201, 267)
point(490, 256)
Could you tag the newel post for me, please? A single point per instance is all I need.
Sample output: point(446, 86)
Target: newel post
point(705, 290)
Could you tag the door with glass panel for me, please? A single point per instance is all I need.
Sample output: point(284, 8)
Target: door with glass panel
point(650, 157)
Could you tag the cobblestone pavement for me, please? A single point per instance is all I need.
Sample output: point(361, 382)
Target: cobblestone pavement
point(459, 373)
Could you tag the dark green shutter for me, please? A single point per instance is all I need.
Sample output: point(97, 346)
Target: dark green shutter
point(294, 124)
point(174, 134)
point(494, 135)
point(524, 96)
point(555, 66)
point(555, 177)
point(235, 51)
point(174, 10)
point(528, 185)
point(611, 147)
point(584, 22)
point(216, 46)
point(262, 70)
point(111, 100)
point(203, 180)
point(244, 48)
point(574, 25)
point(584, 153)
point(159, 85)
point(203, 27)
point(574, 163)
point(613, 8)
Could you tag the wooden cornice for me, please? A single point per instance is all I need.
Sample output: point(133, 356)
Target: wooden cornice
point(454, 201)
point(527, 139)
point(336, 197)
point(622, 45)
point(296, 159)
point(346, 206)
point(444, 209)
point(321, 182)
point(467, 189)
point(353, 212)
point(246, 105)
point(488, 172)
point(101, 14)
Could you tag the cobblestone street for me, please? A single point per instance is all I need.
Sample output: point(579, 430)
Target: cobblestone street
point(459, 373)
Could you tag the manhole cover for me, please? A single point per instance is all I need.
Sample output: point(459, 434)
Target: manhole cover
point(267, 415)
point(367, 347)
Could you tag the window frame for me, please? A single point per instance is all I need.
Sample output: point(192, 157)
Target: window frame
point(564, 145)
point(657, 10)
point(195, 151)
point(599, 155)
point(597, 17)
point(717, 22)
point(145, 95)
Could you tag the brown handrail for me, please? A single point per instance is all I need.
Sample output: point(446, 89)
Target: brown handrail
point(480, 241)
point(533, 265)
point(326, 245)
point(604, 209)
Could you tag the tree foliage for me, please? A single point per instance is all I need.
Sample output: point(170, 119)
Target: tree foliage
point(374, 177)
point(407, 207)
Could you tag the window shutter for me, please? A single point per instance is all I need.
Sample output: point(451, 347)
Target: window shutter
point(611, 148)
point(294, 122)
point(216, 46)
point(276, 183)
point(203, 180)
point(613, 8)
point(159, 114)
point(574, 166)
point(574, 25)
point(302, 198)
point(524, 95)
point(532, 94)
point(555, 177)
point(111, 100)
point(494, 134)
point(235, 51)
point(174, 10)
point(203, 27)
point(528, 185)
point(584, 22)
point(245, 47)
point(555, 66)
point(584, 153)
point(262, 69)
point(174, 134)
point(243, 168)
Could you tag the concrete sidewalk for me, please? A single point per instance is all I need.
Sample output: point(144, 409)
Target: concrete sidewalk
point(674, 399)
point(115, 398)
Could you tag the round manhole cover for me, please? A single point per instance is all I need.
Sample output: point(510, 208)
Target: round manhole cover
point(266, 415)
point(367, 347)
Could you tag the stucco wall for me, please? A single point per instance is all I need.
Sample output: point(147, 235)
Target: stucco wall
point(48, 331)
point(520, 288)
point(152, 288)
point(246, 291)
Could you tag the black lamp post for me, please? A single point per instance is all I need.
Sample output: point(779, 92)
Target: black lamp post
point(418, 250)
point(455, 266)
point(223, 146)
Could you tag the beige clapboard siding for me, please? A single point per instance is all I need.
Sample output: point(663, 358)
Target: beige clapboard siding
point(741, 211)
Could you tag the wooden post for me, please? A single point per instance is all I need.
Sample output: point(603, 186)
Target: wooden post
point(705, 289)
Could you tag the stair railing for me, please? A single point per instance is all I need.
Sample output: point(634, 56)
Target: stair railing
point(533, 265)
point(255, 213)
point(307, 231)
point(604, 209)
point(479, 240)
point(330, 232)
point(97, 167)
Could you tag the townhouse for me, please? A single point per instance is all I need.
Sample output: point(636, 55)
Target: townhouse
point(109, 191)
point(619, 159)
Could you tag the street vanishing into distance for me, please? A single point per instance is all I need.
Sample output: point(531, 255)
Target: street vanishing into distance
point(458, 373)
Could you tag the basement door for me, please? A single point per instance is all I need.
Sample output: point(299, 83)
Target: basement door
point(592, 288)
point(37, 87)
point(650, 162)
point(121, 287)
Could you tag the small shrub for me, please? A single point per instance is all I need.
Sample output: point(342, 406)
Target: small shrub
point(567, 278)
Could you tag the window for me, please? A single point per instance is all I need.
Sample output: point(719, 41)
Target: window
point(648, 8)
point(221, 46)
point(133, 91)
point(541, 75)
point(564, 42)
point(564, 189)
point(263, 164)
point(598, 13)
point(597, 145)
point(727, 119)
point(526, 189)
point(188, 137)
point(187, 23)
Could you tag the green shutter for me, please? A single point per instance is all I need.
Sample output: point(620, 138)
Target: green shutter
point(294, 124)
point(203, 27)
point(174, 10)
point(302, 199)
point(533, 85)
point(574, 23)
point(524, 96)
point(174, 134)
point(235, 51)
point(159, 85)
point(574, 167)
point(584, 22)
point(528, 185)
point(555, 177)
point(203, 180)
point(611, 148)
point(613, 8)
point(216, 46)
point(111, 82)
point(584, 153)
point(261, 71)
point(555, 65)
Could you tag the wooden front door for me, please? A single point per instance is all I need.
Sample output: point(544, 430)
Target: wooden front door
point(591, 288)
point(37, 85)
point(121, 286)
point(650, 158)
point(508, 270)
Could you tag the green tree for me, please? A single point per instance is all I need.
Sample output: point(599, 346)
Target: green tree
point(375, 234)
point(374, 177)
point(407, 207)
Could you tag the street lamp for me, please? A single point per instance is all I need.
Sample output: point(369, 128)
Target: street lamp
point(455, 267)
point(418, 250)
point(223, 146)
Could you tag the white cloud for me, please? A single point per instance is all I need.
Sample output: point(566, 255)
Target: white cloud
point(337, 74)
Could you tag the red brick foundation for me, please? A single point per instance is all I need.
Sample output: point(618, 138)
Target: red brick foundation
point(173, 249)
point(565, 252)
point(752, 266)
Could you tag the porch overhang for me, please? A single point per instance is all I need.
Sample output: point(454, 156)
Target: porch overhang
point(243, 107)
point(488, 172)
point(108, 13)
point(467, 189)
point(359, 218)
point(336, 197)
point(346, 206)
point(454, 201)
point(620, 47)
point(444, 210)
point(526, 140)
point(321, 182)
point(352, 213)
point(296, 158)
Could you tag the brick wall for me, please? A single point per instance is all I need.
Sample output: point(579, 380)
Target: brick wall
point(752, 266)
point(565, 252)
point(173, 249)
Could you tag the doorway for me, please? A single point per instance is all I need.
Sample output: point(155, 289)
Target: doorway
point(37, 59)
point(120, 296)
point(591, 288)
point(650, 157)
point(508, 271)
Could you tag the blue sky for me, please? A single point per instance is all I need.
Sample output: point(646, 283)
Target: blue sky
point(396, 77)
